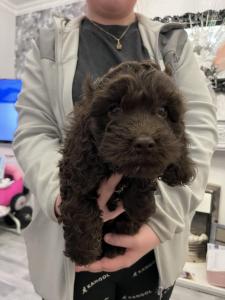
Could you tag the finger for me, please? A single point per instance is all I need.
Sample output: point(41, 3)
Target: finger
point(106, 265)
point(107, 188)
point(79, 269)
point(115, 264)
point(94, 267)
point(120, 240)
point(109, 215)
point(113, 180)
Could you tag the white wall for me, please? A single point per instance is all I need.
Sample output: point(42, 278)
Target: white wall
point(7, 43)
point(162, 8)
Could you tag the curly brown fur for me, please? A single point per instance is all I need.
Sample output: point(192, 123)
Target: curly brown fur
point(129, 121)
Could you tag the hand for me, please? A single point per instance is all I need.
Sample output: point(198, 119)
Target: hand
point(105, 191)
point(137, 246)
point(57, 204)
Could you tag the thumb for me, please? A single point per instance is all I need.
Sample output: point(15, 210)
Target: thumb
point(120, 240)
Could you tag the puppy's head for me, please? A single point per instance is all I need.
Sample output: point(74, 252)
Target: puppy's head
point(136, 122)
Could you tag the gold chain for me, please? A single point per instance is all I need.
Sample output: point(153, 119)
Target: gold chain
point(119, 46)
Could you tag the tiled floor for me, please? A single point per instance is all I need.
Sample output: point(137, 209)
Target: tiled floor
point(14, 279)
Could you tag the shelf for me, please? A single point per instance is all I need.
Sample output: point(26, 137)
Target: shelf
point(199, 281)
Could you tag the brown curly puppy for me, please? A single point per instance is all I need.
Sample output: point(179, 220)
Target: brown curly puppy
point(130, 121)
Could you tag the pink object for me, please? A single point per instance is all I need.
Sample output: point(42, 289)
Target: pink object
point(57, 204)
point(216, 278)
point(6, 194)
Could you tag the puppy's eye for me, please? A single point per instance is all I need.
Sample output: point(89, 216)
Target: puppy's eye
point(114, 109)
point(162, 112)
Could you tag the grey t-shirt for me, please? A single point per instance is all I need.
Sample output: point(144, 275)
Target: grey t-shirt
point(97, 51)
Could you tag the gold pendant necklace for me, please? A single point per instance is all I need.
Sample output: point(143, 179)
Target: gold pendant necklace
point(119, 45)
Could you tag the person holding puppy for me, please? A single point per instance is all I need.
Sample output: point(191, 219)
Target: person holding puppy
point(107, 35)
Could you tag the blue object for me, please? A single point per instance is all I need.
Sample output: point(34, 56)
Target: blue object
point(9, 91)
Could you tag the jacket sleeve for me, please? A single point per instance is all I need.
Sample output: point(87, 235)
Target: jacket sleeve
point(176, 204)
point(37, 138)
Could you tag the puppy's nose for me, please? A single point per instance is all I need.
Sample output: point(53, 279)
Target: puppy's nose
point(143, 144)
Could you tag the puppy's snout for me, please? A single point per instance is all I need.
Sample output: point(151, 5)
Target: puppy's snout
point(143, 144)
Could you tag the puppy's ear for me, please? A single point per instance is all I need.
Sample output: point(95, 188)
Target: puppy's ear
point(169, 70)
point(78, 152)
point(180, 173)
point(183, 170)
